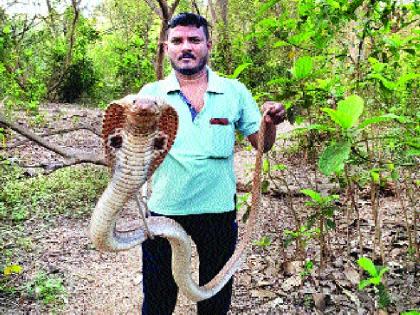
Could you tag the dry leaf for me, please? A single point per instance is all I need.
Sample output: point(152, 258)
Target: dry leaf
point(352, 275)
point(320, 301)
point(291, 282)
point(263, 294)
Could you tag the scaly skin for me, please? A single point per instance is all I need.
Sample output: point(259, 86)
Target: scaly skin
point(133, 164)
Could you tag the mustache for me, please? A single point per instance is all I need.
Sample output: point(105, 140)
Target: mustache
point(187, 55)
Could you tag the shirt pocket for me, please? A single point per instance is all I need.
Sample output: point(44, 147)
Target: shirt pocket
point(222, 141)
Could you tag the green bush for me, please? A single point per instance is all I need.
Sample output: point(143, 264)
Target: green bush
point(70, 191)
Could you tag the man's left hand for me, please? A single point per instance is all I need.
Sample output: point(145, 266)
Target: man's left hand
point(276, 112)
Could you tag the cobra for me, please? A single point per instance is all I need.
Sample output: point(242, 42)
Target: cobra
point(144, 130)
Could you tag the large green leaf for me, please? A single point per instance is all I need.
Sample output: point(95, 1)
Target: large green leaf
point(378, 119)
point(239, 70)
point(368, 266)
point(302, 68)
point(385, 82)
point(333, 158)
point(348, 111)
point(352, 106)
point(313, 194)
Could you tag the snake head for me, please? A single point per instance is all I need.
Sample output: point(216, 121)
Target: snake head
point(143, 114)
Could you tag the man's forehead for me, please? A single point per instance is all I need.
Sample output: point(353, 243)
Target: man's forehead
point(187, 31)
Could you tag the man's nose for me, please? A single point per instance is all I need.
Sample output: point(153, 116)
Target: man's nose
point(186, 45)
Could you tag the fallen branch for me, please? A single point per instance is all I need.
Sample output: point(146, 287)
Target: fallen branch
point(48, 168)
point(56, 132)
point(71, 157)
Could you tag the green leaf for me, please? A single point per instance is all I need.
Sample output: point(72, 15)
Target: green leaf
point(263, 242)
point(313, 194)
point(336, 116)
point(375, 176)
point(239, 70)
point(378, 119)
point(300, 37)
point(402, 81)
point(7, 29)
point(412, 152)
point(279, 167)
point(333, 158)
point(375, 280)
point(351, 108)
point(367, 265)
point(302, 68)
point(382, 272)
point(348, 111)
point(266, 166)
point(364, 283)
point(385, 82)
point(280, 43)
point(12, 269)
point(330, 224)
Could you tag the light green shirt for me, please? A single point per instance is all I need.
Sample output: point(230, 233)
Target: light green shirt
point(197, 175)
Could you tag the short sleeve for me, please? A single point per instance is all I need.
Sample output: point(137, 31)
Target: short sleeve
point(250, 116)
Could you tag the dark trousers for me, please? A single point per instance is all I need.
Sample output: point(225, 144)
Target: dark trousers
point(215, 236)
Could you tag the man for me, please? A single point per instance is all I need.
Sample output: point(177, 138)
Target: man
point(195, 185)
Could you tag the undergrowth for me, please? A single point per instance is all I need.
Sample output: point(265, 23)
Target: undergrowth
point(69, 191)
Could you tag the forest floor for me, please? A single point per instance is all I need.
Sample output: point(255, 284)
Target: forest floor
point(272, 280)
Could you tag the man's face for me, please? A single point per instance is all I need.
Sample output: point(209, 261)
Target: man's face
point(187, 49)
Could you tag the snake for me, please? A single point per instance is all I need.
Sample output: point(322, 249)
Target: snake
point(137, 134)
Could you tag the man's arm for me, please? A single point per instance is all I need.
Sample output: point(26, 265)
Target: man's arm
point(276, 113)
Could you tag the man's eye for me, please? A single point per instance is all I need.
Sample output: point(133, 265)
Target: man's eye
point(176, 41)
point(195, 40)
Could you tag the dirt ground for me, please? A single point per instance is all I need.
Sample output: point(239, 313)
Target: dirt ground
point(269, 282)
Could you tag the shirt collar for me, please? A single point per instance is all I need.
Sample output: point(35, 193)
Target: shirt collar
point(215, 83)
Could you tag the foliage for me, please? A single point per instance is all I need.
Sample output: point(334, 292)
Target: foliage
point(69, 191)
point(48, 289)
point(264, 241)
point(376, 273)
point(307, 268)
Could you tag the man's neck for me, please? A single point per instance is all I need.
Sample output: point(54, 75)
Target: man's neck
point(196, 78)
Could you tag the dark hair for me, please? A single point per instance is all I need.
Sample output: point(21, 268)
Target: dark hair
point(187, 19)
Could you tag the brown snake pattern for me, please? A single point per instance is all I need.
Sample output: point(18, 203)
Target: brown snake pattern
point(136, 142)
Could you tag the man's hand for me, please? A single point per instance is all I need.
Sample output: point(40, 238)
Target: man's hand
point(276, 112)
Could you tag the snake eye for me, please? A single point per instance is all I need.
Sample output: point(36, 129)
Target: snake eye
point(116, 142)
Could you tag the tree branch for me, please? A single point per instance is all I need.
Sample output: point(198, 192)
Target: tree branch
point(57, 132)
point(165, 10)
point(173, 8)
point(155, 9)
point(71, 158)
point(52, 167)
point(67, 61)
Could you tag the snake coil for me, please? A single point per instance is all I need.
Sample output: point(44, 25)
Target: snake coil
point(138, 133)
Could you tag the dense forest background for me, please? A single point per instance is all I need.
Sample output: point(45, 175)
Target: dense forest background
point(347, 71)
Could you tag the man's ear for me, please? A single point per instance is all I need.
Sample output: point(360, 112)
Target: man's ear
point(209, 44)
point(165, 46)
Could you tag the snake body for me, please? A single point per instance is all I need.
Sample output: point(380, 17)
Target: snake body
point(139, 124)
